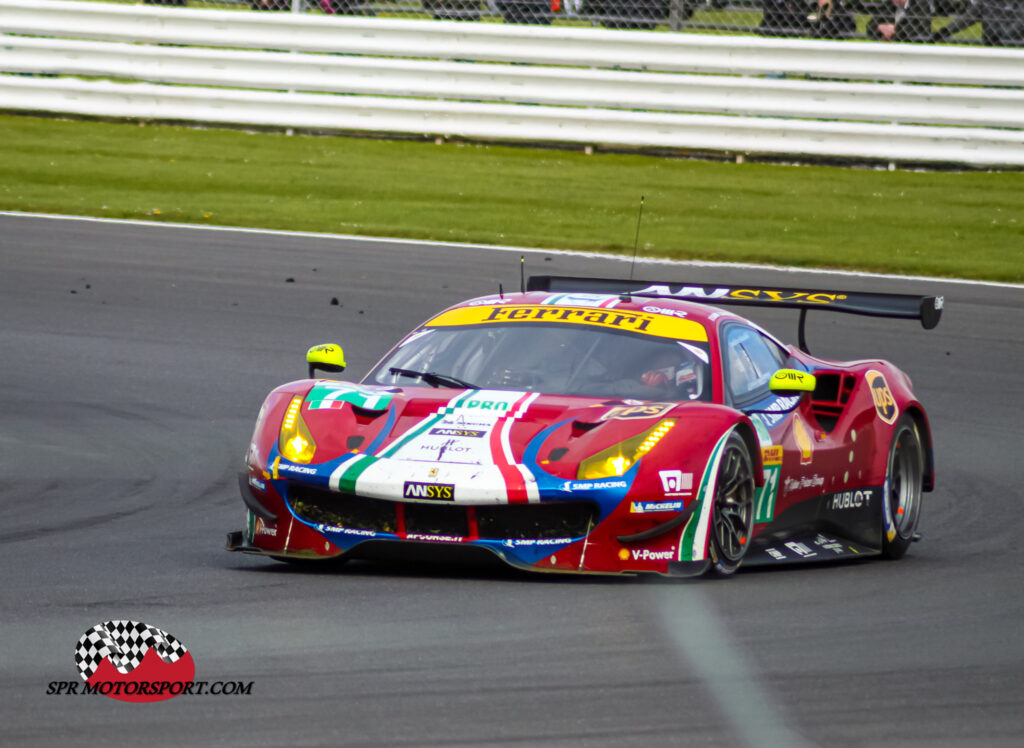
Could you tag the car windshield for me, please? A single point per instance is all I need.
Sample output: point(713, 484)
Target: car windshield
point(555, 359)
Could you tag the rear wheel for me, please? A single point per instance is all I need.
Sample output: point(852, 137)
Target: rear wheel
point(901, 500)
point(732, 516)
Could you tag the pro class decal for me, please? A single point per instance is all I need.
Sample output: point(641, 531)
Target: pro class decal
point(885, 404)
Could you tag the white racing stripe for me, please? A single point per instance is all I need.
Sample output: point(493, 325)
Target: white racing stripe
point(700, 537)
point(473, 484)
point(532, 492)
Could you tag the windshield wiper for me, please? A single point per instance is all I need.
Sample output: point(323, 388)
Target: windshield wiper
point(434, 379)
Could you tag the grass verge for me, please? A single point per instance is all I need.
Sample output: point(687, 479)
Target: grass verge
point(968, 225)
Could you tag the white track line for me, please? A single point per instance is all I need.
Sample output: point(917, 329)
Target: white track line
point(521, 250)
point(701, 640)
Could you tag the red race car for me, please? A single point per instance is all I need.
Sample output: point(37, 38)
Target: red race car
point(603, 426)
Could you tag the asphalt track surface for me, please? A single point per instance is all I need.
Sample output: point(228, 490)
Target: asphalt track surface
point(134, 359)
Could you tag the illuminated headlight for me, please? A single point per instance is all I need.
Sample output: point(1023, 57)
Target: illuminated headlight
point(618, 459)
point(296, 443)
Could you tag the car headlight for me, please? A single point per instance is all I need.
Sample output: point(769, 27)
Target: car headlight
point(619, 458)
point(295, 442)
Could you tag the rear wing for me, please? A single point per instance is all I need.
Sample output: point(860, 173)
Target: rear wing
point(927, 309)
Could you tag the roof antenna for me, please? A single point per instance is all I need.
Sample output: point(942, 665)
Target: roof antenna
point(522, 274)
point(501, 291)
point(636, 239)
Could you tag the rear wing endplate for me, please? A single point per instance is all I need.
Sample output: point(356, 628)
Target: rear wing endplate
point(927, 309)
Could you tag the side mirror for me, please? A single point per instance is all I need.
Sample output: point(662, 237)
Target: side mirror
point(790, 382)
point(327, 357)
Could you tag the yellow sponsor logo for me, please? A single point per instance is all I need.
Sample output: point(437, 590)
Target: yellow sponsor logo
point(763, 294)
point(885, 404)
point(658, 325)
point(803, 440)
point(712, 293)
point(626, 412)
point(772, 455)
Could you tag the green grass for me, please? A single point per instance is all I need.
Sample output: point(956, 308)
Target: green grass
point(968, 224)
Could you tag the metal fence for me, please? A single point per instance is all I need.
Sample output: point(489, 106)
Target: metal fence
point(693, 93)
point(988, 22)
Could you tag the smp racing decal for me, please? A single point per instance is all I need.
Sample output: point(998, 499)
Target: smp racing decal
point(592, 485)
point(885, 404)
point(640, 322)
point(772, 413)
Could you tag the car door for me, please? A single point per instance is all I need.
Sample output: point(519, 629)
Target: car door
point(788, 439)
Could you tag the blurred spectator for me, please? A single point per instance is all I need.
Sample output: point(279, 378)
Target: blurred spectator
point(786, 18)
point(525, 11)
point(270, 4)
point(347, 8)
point(833, 20)
point(1002, 22)
point(454, 10)
point(634, 14)
point(181, 3)
point(903, 21)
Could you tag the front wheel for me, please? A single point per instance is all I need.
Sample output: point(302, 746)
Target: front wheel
point(732, 516)
point(901, 499)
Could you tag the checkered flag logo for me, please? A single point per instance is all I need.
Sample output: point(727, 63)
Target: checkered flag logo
point(124, 643)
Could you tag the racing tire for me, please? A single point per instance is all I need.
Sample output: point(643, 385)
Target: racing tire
point(732, 515)
point(901, 495)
